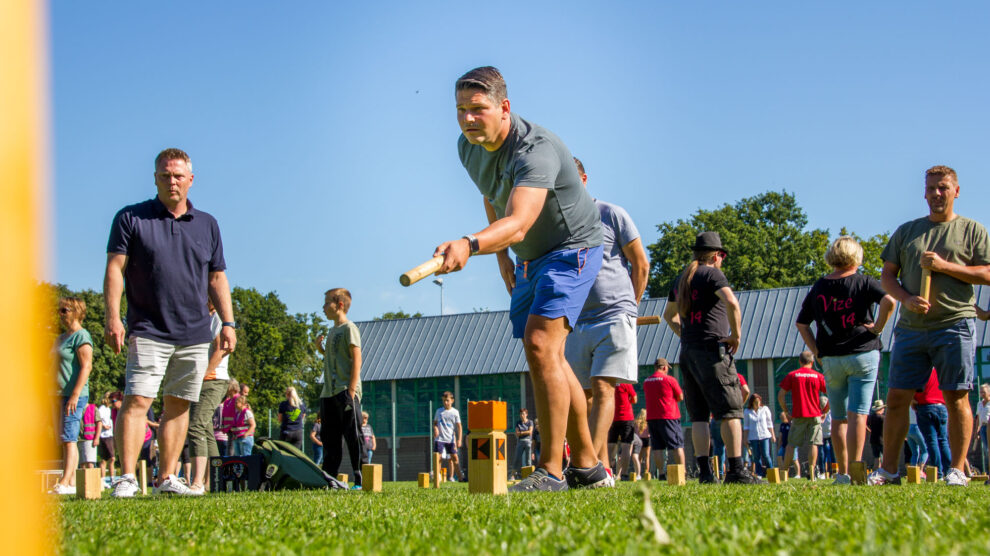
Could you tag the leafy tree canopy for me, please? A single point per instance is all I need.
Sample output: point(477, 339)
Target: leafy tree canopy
point(400, 314)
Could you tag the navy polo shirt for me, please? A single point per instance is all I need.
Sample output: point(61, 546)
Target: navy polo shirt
point(167, 272)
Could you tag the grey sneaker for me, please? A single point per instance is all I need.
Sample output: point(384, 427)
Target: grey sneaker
point(881, 477)
point(588, 477)
point(539, 480)
point(62, 489)
point(955, 477)
point(742, 477)
point(842, 479)
point(172, 485)
point(125, 487)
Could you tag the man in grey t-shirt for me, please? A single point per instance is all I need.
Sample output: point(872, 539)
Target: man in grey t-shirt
point(602, 348)
point(536, 205)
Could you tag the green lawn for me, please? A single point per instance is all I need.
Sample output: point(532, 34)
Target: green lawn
point(795, 518)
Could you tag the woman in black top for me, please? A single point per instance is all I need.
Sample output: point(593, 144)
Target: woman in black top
point(704, 312)
point(292, 413)
point(847, 344)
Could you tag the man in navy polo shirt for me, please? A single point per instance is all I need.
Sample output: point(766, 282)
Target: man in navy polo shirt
point(170, 256)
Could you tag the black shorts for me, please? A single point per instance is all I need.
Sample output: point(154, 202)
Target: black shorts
point(621, 431)
point(105, 448)
point(665, 433)
point(711, 385)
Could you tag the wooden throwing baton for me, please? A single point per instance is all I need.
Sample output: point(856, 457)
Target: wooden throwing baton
point(652, 319)
point(421, 271)
point(926, 284)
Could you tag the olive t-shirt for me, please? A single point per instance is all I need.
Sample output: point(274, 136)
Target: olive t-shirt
point(707, 320)
point(531, 156)
point(839, 307)
point(337, 360)
point(961, 241)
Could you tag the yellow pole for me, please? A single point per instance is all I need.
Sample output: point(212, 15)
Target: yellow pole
point(25, 519)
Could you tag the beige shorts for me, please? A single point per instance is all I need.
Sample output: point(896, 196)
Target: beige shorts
point(805, 431)
point(149, 362)
point(87, 452)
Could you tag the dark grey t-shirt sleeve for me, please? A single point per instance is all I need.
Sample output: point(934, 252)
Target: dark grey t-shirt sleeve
point(892, 252)
point(537, 167)
point(875, 290)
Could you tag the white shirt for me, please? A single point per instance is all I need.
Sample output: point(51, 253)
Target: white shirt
point(104, 413)
point(759, 423)
point(216, 325)
point(827, 425)
point(983, 412)
point(445, 419)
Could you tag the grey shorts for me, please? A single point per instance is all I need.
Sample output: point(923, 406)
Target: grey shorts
point(150, 362)
point(805, 431)
point(87, 452)
point(604, 349)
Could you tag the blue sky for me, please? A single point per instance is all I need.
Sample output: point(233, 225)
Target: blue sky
point(323, 134)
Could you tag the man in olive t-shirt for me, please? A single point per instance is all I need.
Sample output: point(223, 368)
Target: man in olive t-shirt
point(938, 331)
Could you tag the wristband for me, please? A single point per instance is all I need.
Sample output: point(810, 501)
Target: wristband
point(473, 242)
point(230, 324)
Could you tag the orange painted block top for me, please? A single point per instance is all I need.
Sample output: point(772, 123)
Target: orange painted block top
point(486, 416)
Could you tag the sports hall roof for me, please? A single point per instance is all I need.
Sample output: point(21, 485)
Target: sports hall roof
point(482, 343)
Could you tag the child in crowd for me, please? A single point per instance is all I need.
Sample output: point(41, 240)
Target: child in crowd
point(314, 436)
point(368, 435)
point(90, 437)
point(243, 429)
point(106, 450)
point(447, 435)
point(340, 401)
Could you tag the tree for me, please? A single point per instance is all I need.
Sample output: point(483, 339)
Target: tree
point(872, 247)
point(400, 314)
point(766, 239)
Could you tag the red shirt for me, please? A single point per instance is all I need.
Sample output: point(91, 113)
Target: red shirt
point(931, 393)
point(742, 380)
point(624, 394)
point(806, 387)
point(662, 391)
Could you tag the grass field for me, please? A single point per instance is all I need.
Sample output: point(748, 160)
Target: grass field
point(795, 518)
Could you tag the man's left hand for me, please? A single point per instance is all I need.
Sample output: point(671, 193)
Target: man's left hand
point(931, 261)
point(228, 339)
point(455, 255)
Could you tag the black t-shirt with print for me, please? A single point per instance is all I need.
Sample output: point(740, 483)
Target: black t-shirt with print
point(840, 307)
point(706, 321)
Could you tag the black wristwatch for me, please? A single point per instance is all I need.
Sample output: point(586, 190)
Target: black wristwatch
point(473, 242)
point(230, 324)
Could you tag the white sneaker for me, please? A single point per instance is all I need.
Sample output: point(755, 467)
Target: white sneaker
point(881, 477)
point(62, 489)
point(842, 479)
point(955, 477)
point(172, 485)
point(197, 490)
point(125, 487)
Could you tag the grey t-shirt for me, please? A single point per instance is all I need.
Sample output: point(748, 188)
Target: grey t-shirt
point(337, 360)
point(534, 157)
point(961, 241)
point(612, 293)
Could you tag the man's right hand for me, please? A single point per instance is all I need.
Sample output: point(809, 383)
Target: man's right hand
point(114, 334)
point(917, 304)
point(507, 269)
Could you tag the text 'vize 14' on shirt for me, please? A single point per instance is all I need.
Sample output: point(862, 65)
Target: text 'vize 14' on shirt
point(839, 307)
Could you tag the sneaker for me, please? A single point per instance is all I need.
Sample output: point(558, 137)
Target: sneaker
point(539, 480)
point(356, 487)
point(955, 477)
point(611, 478)
point(588, 477)
point(707, 480)
point(62, 489)
point(197, 490)
point(743, 477)
point(125, 487)
point(172, 485)
point(842, 479)
point(881, 477)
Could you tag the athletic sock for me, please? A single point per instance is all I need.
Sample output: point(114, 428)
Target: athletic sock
point(735, 464)
point(704, 467)
point(128, 476)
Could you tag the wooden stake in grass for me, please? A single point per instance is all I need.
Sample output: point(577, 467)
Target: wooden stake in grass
point(143, 476)
point(776, 475)
point(342, 477)
point(716, 468)
point(89, 485)
point(436, 469)
point(676, 475)
point(857, 473)
point(371, 477)
point(914, 474)
point(487, 465)
point(525, 471)
point(424, 480)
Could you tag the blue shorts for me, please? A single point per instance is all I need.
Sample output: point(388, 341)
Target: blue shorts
point(850, 380)
point(950, 350)
point(71, 423)
point(553, 286)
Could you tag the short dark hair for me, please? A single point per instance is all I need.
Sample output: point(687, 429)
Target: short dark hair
point(341, 297)
point(173, 154)
point(447, 394)
point(486, 78)
point(579, 165)
point(942, 171)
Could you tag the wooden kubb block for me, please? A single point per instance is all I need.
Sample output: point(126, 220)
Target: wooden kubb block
point(371, 477)
point(979, 478)
point(89, 485)
point(676, 475)
point(716, 468)
point(647, 476)
point(932, 472)
point(525, 471)
point(487, 465)
point(424, 480)
point(342, 477)
point(776, 475)
point(914, 474)
point(857, 472)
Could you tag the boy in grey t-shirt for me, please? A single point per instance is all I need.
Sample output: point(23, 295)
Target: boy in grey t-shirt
point(447, 434)
point(340, 401)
